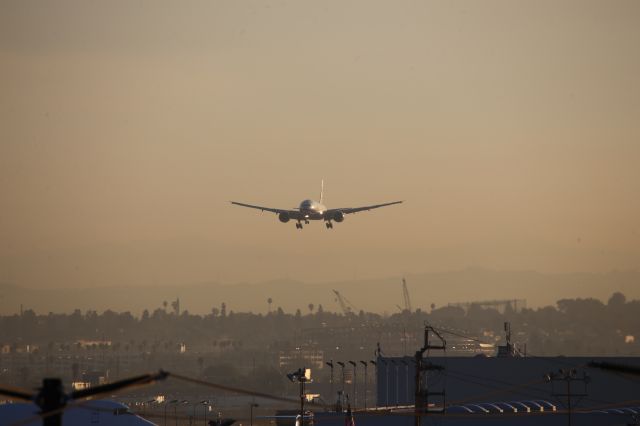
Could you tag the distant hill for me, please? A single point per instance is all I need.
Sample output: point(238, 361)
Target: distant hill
point(379, 295)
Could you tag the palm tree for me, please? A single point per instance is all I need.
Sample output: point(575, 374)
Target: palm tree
point(269, 301)
point(310, 306)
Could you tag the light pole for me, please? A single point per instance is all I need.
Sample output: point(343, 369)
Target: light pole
point(394, 362)
point(355, 381)
point(386, 372)
point(364, 363)
point(194, 414)
point(251, 407)
point(302, 376)
point(330, 364)
point(166, 404)
point(145, 405)
point(341, 364)
point(406, 392)
point(205, 404)
point(375, 364)
point(175, 410)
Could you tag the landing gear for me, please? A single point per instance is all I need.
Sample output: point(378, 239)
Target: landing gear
point(329, 225)
point(299, 225)
point(306, 222)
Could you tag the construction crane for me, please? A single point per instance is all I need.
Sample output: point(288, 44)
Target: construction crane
point(346, 306)
point(405, 294)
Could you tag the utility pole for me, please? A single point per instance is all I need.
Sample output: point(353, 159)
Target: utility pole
point(422, 368)
point(568, 376)
point(52, 399)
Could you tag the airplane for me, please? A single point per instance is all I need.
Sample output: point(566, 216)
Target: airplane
point(314, 210)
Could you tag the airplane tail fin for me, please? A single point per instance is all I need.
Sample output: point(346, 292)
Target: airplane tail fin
point(321, 190)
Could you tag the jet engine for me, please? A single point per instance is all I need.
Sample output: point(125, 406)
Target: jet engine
point(338, 216)
point(284, 217)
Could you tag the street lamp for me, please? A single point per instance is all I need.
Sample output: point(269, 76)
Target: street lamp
point(205, 403)
point(341, 364)
point(145, 405)
point(386, 372)
point(364, 363)
point(251, 407)
point(330, 364)
point(375, 364)
point(194, 414)
point(175, 409)
point(166, 404)
point(395, 364)
point(355, 381)
point(406, 393)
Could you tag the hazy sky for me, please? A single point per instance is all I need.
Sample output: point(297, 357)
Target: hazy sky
point(510, 128)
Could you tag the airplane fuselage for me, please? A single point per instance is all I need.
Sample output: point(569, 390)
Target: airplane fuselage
point(312, 210)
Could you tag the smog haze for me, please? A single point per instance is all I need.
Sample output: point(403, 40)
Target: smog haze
point(510, 129)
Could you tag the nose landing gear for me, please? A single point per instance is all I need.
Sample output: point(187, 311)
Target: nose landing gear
point(329, 225)
point(299, 225)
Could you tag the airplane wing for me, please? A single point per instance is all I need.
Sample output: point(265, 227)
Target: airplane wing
point(293, 214)
point(349, 210)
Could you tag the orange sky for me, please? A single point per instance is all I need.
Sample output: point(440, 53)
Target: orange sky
point(511, 130)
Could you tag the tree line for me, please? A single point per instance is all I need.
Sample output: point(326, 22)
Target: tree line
point(572, 327)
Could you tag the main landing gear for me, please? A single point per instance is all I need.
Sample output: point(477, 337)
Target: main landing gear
point(328, 224)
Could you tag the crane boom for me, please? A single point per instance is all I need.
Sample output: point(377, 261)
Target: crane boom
point(405, 293)
point(346, 306)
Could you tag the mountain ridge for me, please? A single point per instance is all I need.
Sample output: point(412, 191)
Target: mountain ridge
point(376, 295)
